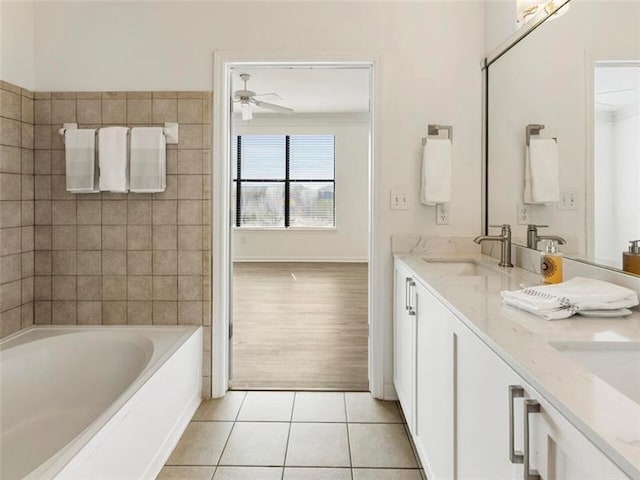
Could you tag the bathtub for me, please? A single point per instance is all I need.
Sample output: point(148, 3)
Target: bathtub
point(95, 402)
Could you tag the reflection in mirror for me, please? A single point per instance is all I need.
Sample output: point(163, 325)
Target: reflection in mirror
point(577, 75)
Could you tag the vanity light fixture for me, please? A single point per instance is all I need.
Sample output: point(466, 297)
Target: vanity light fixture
point(550, 7)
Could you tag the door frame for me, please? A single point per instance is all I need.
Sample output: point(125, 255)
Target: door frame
point(221, 207)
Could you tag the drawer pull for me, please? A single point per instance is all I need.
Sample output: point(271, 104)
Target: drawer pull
point(515, 391)
point(530, 406)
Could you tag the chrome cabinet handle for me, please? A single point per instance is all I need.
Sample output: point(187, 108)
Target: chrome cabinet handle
point(530, 406)
point(412, 310)
point(406, 293)
point(515, 391)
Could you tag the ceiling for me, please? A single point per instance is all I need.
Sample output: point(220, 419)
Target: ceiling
point(617, 87)
point(308, 89)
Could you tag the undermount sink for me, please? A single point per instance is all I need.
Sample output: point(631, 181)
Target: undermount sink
point(617, 363)
point(448, 267)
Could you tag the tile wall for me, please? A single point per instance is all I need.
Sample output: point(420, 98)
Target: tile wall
point(16, 208)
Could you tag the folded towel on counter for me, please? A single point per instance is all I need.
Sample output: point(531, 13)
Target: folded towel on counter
point(148, 160)
point(436, 171)
point(541, 171)
point(80, 161)
point(565, 299)
point(112, 157)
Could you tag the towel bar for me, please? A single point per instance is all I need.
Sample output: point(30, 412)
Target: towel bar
point(435, 130)
point(170, 131)
point(534, 129)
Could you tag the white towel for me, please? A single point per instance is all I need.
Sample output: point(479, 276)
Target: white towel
point(148, 160)
point(80, 161)
point(567, 298)
point(112, 157)
point(436, 172)
point(541, 171)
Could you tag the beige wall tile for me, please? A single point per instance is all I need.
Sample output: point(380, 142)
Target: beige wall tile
point(114, 111)
point(190, 287)
point(27, 139)
point(190, 262)
point(42, 262)
point(190, 313)
point(114, 237)
point(139, 313)
point(89, 237)
point(139, 237)
point(63, 287)
point(27, 161)
point(63, 313)
point(114, 313)
point(190, 237)
point(10, 268)
point(165, 110)
point(42, 162)
point(64, 95)
point(89, 212)
point(171, 190)
point(165, 212)
point(10, 132)
point(89, 111)
point(165, 237)
point(138, 111)
point(139, 263)
point(139, 95)
point(89, 313)
point(189, 212)
point(59, 188)
point(172, 161)
point(114, 212)
point(10, 159)
point(189, 110)
point(114, 262)
point(165, 313)
point(139, 287)
point(42, 313)
point(88, 95)
point(10, 105)
point(11, 295)
point(27, 290)
point(63, 111)
point(42, 186)
point(164, 94)
point(10, 186)
point(42, 136)
point(190, 136)
point(27, 238)
point(28, 189)
point(63, 237)
point(89, 287)
point(190, 162)
point(10, 321)
point(43, 212)
point(28, 269)
point(114, 287)
point(89, 262)
point(27, 315)
point(10, 240)
point(42, 112)
point(57, 140)
point(165, 288)
point(63, 212)
point(165, 262)
point(57, 162)
point(63, 262)
point(139, 212)
point(10, 213)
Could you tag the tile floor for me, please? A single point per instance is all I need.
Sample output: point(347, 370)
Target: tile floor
point(294, 436)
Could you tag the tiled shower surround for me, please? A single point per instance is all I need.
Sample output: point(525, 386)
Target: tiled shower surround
point(16, 208)
point(114, 259)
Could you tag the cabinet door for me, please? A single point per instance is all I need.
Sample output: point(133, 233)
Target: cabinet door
point(434, 435)
point(404, 343)
point(482, 416)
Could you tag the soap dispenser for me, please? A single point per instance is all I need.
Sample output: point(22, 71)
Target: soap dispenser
point(631, 259)
point(551, 263)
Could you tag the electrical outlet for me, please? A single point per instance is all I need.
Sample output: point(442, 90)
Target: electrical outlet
point(523, 214)
point(568, 201)
point(442, 214)
point(399, 201)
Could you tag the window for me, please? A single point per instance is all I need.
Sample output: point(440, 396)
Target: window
point(284, 181)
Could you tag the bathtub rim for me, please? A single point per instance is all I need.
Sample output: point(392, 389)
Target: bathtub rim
point(57, 462)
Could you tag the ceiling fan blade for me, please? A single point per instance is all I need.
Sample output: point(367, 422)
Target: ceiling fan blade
point(271, 106)
point(245, 108)
point(270, 94)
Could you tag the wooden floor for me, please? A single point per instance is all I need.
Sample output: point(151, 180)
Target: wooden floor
point(300, 326)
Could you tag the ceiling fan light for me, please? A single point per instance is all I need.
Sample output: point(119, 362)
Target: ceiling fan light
point(245, 108)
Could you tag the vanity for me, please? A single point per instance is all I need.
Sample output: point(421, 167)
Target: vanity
point(490, 392)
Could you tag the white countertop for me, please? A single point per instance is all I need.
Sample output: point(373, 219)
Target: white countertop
point(608, 418)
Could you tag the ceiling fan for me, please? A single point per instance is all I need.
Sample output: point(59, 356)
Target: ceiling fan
point(246, 98)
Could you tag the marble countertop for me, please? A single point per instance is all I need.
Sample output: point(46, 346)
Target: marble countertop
point(607, 417)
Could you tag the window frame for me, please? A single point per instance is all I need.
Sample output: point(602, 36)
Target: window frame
point(238, 180)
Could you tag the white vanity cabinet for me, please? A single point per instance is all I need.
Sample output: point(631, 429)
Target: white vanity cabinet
point(466, 406)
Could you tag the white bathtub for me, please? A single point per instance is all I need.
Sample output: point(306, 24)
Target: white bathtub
point(95, 402)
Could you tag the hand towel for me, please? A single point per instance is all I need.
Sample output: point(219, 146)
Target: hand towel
point(80, 161)
point(148, 160)
point(112, 157)
point(436, 171)
point(567, 298)
point(541, 171)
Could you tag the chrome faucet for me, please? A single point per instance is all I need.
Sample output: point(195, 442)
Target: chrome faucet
point(504, 238)
point(533, 238)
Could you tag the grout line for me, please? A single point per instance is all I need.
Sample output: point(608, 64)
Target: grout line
point(344, 399)
point(286, 450)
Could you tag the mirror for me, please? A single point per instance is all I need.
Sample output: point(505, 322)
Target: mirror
point(576, 77)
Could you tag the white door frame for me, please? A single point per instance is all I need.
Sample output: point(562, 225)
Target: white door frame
point(221, 208)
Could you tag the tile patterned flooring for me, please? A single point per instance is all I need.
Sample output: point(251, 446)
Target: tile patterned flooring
point(294, 436)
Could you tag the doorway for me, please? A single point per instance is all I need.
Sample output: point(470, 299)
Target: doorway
point(299, 160)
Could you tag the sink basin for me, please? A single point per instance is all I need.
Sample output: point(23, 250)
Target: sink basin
point(467, 267)
point(617, 363)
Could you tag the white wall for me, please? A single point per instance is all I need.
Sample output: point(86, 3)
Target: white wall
point(499, 23)
point(349, 240)
point(429, 72)
point(17, 42)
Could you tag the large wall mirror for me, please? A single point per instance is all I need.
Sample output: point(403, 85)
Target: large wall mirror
point(575, 80)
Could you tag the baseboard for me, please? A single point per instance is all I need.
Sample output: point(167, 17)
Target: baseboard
point(172, 439)
point(300, 259)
